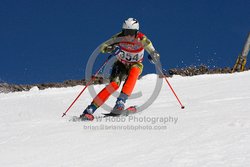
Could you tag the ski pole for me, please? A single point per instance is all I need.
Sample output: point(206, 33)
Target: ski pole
point(87, 85)
point(182, 106)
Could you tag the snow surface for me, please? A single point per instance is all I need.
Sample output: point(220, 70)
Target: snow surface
point(212, 131)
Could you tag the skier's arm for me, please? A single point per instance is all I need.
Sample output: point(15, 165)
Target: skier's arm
point(107, 46)
point(153, 56)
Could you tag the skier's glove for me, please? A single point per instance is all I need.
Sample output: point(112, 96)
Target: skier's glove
point(154, 57)
point(106, 48)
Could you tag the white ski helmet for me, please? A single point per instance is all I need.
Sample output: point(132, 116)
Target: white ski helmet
point(131, 24)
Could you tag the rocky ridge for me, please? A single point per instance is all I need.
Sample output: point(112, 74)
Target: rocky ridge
point(189, 71)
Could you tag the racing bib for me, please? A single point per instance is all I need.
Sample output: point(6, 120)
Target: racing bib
point(130, 52)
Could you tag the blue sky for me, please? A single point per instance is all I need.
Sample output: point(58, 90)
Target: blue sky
point(51, 40)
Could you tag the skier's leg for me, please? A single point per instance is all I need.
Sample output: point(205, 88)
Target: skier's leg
point(133, 75)
point(115, 80)
point(128, 86)
point(99, 100)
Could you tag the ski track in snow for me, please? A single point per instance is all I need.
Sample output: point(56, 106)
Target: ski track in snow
point(212, 131)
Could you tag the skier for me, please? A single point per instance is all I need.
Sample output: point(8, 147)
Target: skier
point(128, 64)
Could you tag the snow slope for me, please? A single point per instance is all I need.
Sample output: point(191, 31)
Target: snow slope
point(213, 130)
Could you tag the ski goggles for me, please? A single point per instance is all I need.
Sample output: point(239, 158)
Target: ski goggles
point(127, 32)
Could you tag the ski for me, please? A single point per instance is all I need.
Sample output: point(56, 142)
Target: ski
point(78, 119)
point(128, 111)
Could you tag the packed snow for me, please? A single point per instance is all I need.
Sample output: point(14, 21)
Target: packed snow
point(212, 131)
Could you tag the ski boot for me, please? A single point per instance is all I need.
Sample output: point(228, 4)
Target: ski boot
point(87, 114)
point(120, 104)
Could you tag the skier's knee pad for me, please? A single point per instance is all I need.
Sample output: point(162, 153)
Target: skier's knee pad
point(105, 93)
point(137, 65)
point(112, 86)
point(116, 80)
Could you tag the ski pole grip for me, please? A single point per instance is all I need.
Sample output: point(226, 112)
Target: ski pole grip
point(116, 51)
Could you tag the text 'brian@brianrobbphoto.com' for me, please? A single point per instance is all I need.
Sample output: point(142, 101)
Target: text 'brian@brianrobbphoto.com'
point(132, 123)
